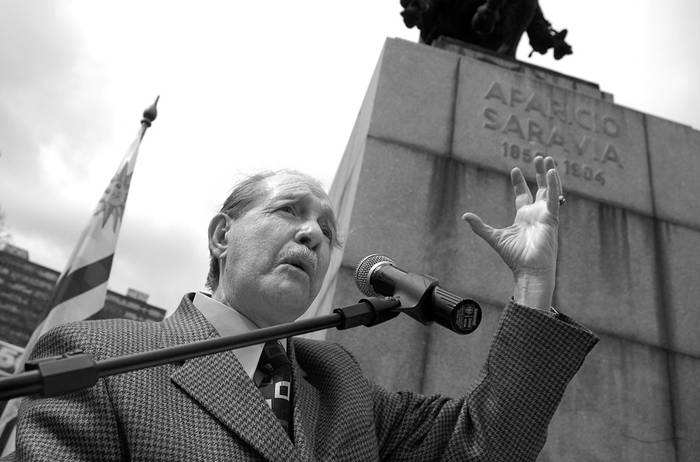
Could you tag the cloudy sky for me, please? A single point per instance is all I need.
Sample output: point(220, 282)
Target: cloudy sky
point(244, 86)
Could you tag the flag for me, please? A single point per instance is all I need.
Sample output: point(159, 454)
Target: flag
point(82, 287)
point(342, 195)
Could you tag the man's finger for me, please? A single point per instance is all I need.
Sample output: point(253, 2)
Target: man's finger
point(549, 164)
point(553, 188)
point(480, 228)
point(522, 192)
point(540, 172)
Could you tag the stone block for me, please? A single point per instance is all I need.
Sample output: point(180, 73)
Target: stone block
point(606, 276)
point(616, 408)
point(674, 157)
point(414, 103)
point(678, 312)
point(503, 117)
point(686, 376)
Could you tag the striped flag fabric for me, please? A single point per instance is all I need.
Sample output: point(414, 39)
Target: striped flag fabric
point(342, 195)
point(82, 287)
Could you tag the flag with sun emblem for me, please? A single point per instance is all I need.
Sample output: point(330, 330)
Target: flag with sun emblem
point(82, 287)
point(114, 199)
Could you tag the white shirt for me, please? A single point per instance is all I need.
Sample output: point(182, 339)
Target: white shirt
point(228, 321)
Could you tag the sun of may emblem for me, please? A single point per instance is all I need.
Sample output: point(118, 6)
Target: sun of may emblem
point(114, 198)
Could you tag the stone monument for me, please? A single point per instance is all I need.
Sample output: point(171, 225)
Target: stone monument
point(437, 134)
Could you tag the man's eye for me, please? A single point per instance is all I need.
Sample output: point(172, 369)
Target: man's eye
point(327, 231)
point(287, 209)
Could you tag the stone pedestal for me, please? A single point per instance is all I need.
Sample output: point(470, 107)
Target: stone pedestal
point(438, 132)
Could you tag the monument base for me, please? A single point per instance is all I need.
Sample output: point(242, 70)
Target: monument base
point(437, 135)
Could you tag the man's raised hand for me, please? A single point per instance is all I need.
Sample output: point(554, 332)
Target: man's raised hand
point(529, 245)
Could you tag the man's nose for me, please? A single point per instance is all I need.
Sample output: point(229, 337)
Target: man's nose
point(309, 234)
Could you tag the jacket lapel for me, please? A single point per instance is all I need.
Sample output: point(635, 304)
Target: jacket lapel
point(220, 385)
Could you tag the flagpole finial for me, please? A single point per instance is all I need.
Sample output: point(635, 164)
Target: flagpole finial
point(150, 114)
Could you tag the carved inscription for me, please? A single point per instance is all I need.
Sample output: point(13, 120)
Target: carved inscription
point(576, 169)
point(582, 139)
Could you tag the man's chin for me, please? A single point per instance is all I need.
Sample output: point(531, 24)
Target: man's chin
point(287, 295)
point(294, 280)
point(292, 300)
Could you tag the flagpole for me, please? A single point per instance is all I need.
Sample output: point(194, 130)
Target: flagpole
point(150, 114)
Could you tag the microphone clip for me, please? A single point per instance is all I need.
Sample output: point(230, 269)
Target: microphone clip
point(368, 312)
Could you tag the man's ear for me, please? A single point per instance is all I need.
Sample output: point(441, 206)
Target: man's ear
point(218, 243)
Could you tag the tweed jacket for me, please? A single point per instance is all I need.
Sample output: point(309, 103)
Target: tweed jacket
point(207, 408)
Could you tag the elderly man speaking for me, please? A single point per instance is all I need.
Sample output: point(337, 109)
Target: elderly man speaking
point(301, 399)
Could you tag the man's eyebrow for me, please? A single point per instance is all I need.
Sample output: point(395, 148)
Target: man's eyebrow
point(291, 196)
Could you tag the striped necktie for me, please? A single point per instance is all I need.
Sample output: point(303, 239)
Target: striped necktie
point(273, 377)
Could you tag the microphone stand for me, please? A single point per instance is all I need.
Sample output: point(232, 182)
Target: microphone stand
point(76, 370)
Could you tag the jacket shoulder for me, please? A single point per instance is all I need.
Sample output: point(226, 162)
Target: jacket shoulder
point(326, 357)
point(102, 338)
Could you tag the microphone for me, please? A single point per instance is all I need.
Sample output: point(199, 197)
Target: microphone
point(376, 275)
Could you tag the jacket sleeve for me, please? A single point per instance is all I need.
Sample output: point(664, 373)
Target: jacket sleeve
point(505, 416)
point(79, 426)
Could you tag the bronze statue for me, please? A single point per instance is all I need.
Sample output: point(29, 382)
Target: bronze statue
point(493, 24)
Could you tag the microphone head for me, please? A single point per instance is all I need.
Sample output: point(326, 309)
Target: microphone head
point(363, 272)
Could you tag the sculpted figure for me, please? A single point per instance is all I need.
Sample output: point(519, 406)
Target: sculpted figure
point(493, 24)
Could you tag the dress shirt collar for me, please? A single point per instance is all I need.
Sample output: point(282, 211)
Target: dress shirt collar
point(227, 321)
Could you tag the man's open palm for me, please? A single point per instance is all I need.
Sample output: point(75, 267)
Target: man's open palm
point(529, 245)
